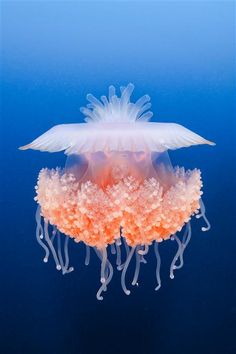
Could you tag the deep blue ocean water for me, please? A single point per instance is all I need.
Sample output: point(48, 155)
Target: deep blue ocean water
point(183, 55)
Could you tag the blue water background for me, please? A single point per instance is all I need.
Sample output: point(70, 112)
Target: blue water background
point(183, 55)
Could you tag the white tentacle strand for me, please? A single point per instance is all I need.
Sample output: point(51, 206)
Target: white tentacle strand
point(53, 243)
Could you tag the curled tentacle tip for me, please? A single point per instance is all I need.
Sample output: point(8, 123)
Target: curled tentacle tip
point(205, 228)
point(58, 267)
point(71, 269)
point(127, 292)
point(103, 280)
point(172, 276)
point(100, 298)
point(45, 260)
point(135, 283)
point(158, 287)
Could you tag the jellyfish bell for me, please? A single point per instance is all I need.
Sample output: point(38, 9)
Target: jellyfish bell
point(118, 192)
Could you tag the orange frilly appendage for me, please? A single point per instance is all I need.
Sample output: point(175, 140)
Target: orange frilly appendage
point(142, 209)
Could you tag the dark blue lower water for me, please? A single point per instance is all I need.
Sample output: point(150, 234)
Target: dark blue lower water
point(183, 55)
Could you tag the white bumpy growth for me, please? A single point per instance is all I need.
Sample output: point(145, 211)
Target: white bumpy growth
point(113, 109)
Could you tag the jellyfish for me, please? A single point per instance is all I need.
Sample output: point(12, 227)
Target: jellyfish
point(118, 193)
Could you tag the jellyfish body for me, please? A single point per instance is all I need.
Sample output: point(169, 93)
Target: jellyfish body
point(118, 192)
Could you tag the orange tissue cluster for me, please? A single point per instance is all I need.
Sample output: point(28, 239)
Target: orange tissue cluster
point(143, 210)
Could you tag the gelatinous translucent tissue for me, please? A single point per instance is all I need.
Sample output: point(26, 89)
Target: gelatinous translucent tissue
point(118, 192)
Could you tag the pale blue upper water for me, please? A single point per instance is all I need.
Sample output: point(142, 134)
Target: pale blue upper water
point(183, 55)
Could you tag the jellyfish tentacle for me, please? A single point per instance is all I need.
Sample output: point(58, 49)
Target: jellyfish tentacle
point(158, 266)
point(50, 244)
point(142, 254)
point(103, 264)
point(178, 255)
point(113, 248)
point(185, 241)
point(127, 250)
point(118, 253)
point(43, 232)
point(119, 264)
point(203, 215)
point(137, 267)
point(64, 264)
point(54, 231)
point(87, 257)
point(39, 234)
point(59, 251)
point(127, 262)
point(102, 287)
point(107, 276)
point(119, 241)
point(108, 279)
point(67, 269)
point(143, 260)
point(144, 251)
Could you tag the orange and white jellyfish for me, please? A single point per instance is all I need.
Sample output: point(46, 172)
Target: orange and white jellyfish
point(118, 192)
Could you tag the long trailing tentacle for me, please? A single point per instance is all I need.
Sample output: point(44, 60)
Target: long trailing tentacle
point(107, 281)
point(176, 257)
point(158, 258)
point(118, 253)
point(113, 248)
point(43, 233)
point(66, 268)
point(126, 291)
point(185, 241)
point(39, 234)
point(47, 233)
point(106, 271)
point(137, 267)
point(87, 257)
point(50, 245)
point(181, 248)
